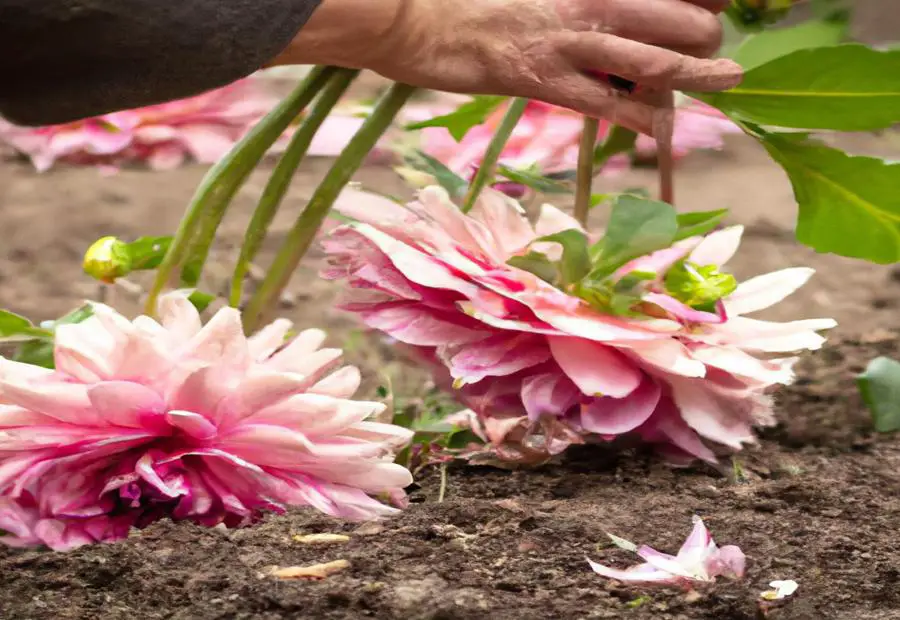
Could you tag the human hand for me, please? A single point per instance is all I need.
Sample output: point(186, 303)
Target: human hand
point(552, 50)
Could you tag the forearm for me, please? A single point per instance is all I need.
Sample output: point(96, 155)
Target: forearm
point(62, 60)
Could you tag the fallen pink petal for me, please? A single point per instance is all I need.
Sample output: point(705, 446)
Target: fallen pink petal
point(143, 420)
point(699, 561)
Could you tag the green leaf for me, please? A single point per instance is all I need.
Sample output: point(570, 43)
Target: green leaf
point(576, 260)
point(535, 181)
point(619, 140)
point(14, 326)
point(148, 252)
point(455, 185)
point(844, 87)
point(698, 223)
point(879, 386)
point(637, 226)
point(849, 205)
point(75, 316)
point(758, 49)
point(201, 300)
point(36, 352)
point(465, 117)
point(537, 264)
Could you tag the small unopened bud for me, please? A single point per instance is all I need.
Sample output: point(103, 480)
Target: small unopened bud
point(107, 260)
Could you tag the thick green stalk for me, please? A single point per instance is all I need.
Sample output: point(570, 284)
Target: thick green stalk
point(283, 174)
point(585, 171)
point(495, 149)
point(304, 231)
point(224, 179)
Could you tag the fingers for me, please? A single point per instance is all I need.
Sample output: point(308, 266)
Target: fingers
point(587, 96)
point(673, 24)
point(648, 65)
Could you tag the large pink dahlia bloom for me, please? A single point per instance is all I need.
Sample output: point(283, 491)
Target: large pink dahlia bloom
point(164, 136)
point(543, 368)
point(144, 420)
point(547, 139)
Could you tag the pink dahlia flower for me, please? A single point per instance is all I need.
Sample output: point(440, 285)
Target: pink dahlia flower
point(164, 136)
point(543, 368)
point(547, 137)
point(144, 420)
point(699, 561)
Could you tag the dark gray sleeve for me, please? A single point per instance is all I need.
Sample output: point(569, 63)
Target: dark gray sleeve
point(62, 60)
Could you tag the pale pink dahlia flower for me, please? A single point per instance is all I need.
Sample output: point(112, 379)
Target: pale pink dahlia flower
point(698, 562)
point(547, 137)
point(144, 420)
point(543, 368)
point(201, 128)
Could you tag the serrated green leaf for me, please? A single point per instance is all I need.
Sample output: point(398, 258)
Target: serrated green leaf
point(455, 185)
point(698, 223)
point(849, 205)
point(576, 260)
point(637, 226)
point(465, 117)
point(844, 87)
point(537, 182)
point(537, 264)
point(766, 46)
point(13, 326)
point(619, 140)
point(879, 386)
point(36, 352)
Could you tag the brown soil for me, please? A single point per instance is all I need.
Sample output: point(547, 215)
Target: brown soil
point(816, 502)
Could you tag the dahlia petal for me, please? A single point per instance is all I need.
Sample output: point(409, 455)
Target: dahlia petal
point(506, 220)
point(496, 357)
point(296, 351)
point(269, 339)
point(79, 352)
point(390, 434)
point(665, 563)
point(680, 310)
point(434, 203)
point(222, 340)
point(166, 157)
point(668, 355)
point(697, 544)
point(718, 247)
point(551, 221)
point(737, 362)
point(206, 143)
point(643, 573)
point(615, 416)
point(413, 324)
point(705, 415)
point(314, 414)
point(549, 393)
point(193, 424)
point(17, 416)
point(729, 561)
point(256, 391)
point(179, 316)
point(342, 383)
point(596, 369)
point(201, 392)
point(123, 403)
point(371, 208)
point(591, 325)
point(752, 334)
point(66, 402)
point(658, 262)
point(766, 290)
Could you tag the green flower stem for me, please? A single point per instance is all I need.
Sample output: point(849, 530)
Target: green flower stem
point(494, 150)
point(281, 178)
point(222, 182)
point(585, 170)
point(304, 231)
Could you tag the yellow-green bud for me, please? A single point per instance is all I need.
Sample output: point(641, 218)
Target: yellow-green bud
point(107, 260)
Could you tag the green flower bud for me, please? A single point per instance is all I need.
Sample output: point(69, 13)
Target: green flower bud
point(107, 260)
point(699, 287)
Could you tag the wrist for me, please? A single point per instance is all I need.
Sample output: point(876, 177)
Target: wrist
point(355, 34)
